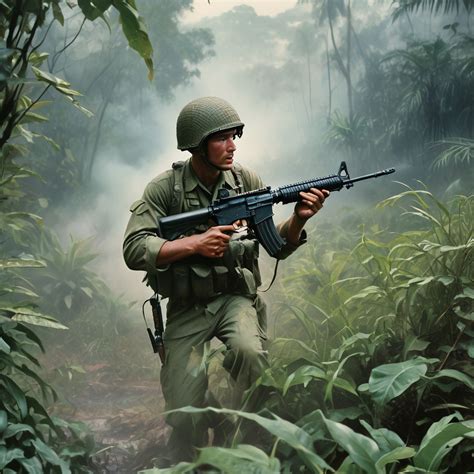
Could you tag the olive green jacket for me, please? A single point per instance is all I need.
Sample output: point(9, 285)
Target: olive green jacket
point(142, 244)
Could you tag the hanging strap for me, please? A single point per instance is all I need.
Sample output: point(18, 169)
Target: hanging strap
point(178, 188)
point(273, 278)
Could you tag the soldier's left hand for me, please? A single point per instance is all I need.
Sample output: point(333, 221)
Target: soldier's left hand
point(311, 202)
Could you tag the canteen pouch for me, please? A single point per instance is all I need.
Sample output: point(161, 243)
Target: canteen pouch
point(221, 279)
point(181, 282)
point(250, 259)
point(246, 282)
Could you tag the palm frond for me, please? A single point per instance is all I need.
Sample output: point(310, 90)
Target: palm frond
point(455, 151)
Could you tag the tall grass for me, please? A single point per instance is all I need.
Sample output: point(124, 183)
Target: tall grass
point(377, 375)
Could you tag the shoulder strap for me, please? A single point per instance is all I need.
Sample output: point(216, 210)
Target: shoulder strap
point(178, 188)
point(238, 177)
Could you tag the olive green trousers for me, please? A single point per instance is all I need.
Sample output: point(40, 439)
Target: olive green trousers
point(240, 323)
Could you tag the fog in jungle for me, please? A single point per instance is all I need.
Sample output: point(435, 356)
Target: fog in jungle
point(272, 69)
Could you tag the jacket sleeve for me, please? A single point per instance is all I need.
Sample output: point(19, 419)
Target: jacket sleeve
point(141, 244)
point(289, 248)
point(253, 181)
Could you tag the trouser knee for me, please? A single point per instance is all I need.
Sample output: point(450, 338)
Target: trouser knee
point(244, 359)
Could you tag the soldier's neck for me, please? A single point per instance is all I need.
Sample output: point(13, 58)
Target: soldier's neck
point(207, 174)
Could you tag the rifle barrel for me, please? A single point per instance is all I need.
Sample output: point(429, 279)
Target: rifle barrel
point(369, 176)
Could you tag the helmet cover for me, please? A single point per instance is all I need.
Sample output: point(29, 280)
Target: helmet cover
point(203, 117)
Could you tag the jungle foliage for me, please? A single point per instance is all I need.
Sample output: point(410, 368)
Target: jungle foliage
point(31, 439)
point(377, 374)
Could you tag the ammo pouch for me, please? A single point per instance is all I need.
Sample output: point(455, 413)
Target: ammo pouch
point(202, 279)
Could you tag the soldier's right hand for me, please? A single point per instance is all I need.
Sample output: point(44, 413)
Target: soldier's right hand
point(214, 242)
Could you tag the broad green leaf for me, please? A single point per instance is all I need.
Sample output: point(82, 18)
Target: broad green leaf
point(466, 293)
point(135, 32)
point(438, 427)
point(362, 450)
point(68, 91)
point(49, 78)
point(335, 381)
point(4, 347)
point(349, 342)
point(9, 455)
point(78, 106)
point(368, 291)
point(439, 441)
point(468, 346)
point(349, 413)
point(391, 380)
point(25, 133)
point(21, 263)
point(291, 434)
point(386, 440)
point(19, 290)
point(421, 281)
point(48, 455)
point(15, 428)
point(349, 467)
point(303, 375)
point(243, 458)
point(456, 375)
point(16, 393)
point(59, 84)
point(32, 465)
point(413, 344)
point(393, 456)
point(57, 13)
point(33, 117)
point(3, 420)
point(91, 12)
point(28, 315)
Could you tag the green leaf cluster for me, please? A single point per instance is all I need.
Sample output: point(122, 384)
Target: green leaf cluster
point(378, 377)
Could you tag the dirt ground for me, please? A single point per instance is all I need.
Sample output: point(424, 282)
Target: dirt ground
point(123, 415)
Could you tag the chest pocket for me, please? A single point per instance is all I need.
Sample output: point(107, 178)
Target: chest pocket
point(192, 203)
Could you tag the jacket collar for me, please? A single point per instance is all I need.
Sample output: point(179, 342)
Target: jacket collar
point(191, 182)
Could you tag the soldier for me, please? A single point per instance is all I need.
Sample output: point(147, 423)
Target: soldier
point(210, 277)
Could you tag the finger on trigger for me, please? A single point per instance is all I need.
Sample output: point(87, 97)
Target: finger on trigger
point(225, 228)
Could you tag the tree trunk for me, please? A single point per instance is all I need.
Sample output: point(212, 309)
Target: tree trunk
point(348, 67)
point(97, 138)
point(328, 63)
point(339, 60)
point(310, 91)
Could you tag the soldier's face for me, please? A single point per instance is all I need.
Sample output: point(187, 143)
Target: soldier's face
point(221, 148)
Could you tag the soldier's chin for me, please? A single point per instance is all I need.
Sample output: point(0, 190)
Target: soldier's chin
point(226, 166)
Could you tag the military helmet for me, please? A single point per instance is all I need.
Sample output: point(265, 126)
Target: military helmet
point(203, 117)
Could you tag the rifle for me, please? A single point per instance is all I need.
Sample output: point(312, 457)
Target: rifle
point(256, 208)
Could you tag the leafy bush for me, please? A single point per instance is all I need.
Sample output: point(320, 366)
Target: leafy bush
point(379, 376)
